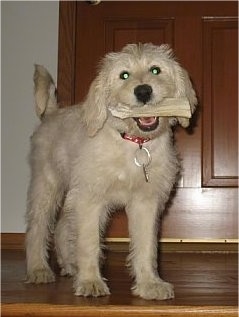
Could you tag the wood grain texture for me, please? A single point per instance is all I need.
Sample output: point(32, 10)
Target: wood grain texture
point(205, 285)
point(43, 310)
point(192, 213)
point(220, 123)
point(12, 241)
point(66, 53)
point(16, 241)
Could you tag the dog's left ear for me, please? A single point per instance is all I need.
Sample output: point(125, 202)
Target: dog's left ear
point(184, 89)
point(94, 107)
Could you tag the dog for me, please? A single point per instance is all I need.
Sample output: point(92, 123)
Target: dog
point(85, 162)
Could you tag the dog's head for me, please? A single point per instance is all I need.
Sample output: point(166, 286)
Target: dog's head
point(138, 75)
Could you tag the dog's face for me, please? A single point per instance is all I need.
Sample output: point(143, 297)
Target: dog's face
point(138, 75)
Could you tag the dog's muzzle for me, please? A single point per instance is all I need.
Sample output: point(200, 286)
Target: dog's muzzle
point(143, 94)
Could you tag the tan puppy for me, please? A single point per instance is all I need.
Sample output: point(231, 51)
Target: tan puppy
point(88, 162)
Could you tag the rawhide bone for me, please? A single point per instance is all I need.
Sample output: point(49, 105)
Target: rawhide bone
point(168, 107)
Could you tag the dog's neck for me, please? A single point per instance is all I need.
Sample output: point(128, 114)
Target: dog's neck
point(136, 139)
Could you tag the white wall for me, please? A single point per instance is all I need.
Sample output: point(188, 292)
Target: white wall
point(29, 35)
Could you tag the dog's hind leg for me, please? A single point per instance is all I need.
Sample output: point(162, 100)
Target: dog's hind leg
point(43, 198)
point(65, 244)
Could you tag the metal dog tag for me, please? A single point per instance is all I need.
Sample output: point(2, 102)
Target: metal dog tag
point(143, 159)
point(146, 174)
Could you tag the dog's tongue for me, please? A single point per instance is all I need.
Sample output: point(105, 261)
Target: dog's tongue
point(147, 121)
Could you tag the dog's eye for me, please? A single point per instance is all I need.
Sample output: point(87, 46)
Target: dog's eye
point(155, 70)
point(124, 75)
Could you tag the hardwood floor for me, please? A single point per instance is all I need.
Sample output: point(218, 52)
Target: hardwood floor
point(205, 285)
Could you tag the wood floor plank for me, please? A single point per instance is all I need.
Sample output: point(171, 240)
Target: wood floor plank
point(205, 285)
point(44, 310)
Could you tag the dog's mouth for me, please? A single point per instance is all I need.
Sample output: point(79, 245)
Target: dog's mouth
point(147, 123)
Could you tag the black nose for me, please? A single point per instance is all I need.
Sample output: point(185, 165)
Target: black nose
point(143, 93)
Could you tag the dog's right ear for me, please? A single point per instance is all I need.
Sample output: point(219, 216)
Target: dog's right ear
point(45, 92)
point(94, 107)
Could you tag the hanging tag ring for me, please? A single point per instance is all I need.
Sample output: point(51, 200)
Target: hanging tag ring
point(142, 157)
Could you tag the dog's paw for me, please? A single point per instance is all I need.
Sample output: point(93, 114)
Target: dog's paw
point(68, 270)
point(158, 290)
point(38, 276)
point(93, 288)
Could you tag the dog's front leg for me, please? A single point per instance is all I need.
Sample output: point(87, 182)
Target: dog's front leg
point(88, 280)
point(142, 216)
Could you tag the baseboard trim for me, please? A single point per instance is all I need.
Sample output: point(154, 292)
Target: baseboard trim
point(16, 241)
point(12, 241)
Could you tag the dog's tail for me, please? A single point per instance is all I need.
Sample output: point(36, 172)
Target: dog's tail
point(45, 92)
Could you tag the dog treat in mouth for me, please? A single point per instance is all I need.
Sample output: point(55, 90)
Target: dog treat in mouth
point(168, 107)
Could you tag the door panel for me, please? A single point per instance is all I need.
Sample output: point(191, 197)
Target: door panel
point(220, 165)
point(195, 213)
point(204, 38)
point(120, 32)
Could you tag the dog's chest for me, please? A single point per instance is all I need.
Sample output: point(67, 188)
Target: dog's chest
point(134, 163)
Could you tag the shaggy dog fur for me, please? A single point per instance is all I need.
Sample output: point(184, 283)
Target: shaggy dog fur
point(81, 164)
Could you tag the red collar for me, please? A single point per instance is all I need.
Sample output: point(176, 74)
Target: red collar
point(136, 139)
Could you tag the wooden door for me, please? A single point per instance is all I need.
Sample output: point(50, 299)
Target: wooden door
point(204, 38)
